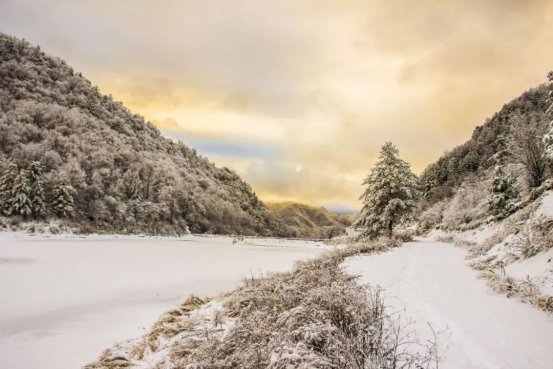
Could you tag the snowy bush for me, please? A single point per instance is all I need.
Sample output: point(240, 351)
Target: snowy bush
point(523, 289)
point(535, 237)
point(432, 216)
point(314, 317)
point(467, 205)
point(503, 194)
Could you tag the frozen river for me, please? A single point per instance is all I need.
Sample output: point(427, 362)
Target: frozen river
point(65, 299)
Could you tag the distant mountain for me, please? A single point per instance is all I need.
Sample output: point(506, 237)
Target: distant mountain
point(309, 222)
point(116, 168)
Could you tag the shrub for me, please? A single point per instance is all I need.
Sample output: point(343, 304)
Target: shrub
point(315, 316)
point(468, 205)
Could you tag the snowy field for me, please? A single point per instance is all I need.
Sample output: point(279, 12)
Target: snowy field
point(64, 299)
point(429, 283)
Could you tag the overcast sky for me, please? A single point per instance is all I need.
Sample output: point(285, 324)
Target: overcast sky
point(298, 96)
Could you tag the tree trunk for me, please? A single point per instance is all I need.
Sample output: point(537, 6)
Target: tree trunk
point(390, 229)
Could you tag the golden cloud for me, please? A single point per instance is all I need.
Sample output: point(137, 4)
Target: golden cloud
point(326, 82)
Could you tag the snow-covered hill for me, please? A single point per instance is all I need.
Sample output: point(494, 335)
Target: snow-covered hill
point(123, 175)
point(515, 254)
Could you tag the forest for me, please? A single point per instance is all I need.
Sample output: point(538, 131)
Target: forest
point(101, 168)
point(72, 155)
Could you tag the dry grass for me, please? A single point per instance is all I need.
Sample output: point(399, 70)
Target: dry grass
point(315, 316)
point(523, 289)
point(527, 237)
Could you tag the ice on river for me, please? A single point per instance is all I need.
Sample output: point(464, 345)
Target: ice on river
point(64, 299)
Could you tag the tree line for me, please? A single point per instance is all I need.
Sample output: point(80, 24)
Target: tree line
point(521, 134)
point(122, 175)
point(22, 193)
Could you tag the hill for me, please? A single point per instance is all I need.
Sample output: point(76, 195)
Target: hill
point(493, 195)
point(524, 116)
point(105, 169)
point(309, 222)
point(501, 169)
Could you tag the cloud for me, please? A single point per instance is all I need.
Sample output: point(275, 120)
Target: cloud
point(219, 147)
point(267, 87)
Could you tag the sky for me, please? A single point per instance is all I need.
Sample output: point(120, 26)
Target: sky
point(298, 96)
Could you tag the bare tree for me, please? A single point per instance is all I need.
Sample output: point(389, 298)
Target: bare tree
point(528, 149)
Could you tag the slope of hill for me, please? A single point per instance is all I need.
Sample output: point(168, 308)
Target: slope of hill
point(118, 173)
point(487, 142)
point(505, 158)
point(308, 221)
point(492, 195)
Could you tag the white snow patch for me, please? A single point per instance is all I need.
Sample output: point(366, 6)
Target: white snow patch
point(538, 268)
point(505, 251)
point(204, 316)
point(429, 283)
point(477, 235)
point(66, 298)
point(546, 207)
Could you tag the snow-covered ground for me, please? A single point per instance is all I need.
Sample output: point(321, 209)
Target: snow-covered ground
point(539, 269)
point(507, 251)
point(429, 283)
point(546, 206)
point(64, 299)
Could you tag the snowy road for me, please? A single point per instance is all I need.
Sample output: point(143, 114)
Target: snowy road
point(64, 300)
point(428, 282)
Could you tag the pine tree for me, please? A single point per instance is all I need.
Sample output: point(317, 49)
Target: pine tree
point(135, 188)
point(62, 199)
point(21, 201)
point(36, 189)
point(391, 194)
point(504, 194)
point(7, 182)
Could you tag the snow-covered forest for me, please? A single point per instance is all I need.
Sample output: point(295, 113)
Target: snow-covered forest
point(105, 169)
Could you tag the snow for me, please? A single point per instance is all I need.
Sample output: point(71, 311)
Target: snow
point(504, 252)
point(539, 268)
point(477, 235)
point(201, 319)
point(546, 207)
point(67, 298)
point(429, 283)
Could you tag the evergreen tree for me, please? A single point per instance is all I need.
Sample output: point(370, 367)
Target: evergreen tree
point(7, 182)
point(21, 201)
point(471, 162)
point(391, 193)
point(135, 188)
point(36, 189)
point(62, 199)
point(504, 194)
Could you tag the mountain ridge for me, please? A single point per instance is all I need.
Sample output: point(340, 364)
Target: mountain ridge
point(51, 114)
point(309, 221)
